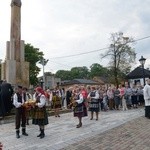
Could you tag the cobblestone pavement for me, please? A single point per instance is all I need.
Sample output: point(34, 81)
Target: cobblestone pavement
point(115, 130)
point(133, 135)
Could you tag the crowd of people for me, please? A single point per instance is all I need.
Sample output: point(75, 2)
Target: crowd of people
point(80, 99)
point(109, 98)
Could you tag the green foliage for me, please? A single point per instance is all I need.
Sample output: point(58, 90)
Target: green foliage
point(79, 72)
point(48, 74)
point(83, 72)
point(64, 75)
point(33, 56)
point(74, 73)
point(98, 70)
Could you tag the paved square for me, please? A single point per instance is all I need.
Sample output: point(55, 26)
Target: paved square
point(61, 133)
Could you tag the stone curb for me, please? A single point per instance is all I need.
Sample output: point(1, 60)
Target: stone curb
point(11, 118)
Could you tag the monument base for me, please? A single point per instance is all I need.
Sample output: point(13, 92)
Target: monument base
point(16, 73)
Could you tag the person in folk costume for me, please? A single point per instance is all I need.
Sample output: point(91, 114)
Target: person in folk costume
point(146, 92)
point(18, 101)
point(80, 109)
point(84, 93)
point(40, 117)
point(93, 98)
point(27, 96)
point(56, 99)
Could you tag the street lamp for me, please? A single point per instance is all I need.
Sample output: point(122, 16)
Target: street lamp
point(41, 83)
point(43, 62)
point(142, 61)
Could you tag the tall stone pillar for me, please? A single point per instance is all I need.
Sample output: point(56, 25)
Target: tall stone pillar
point(15, 69)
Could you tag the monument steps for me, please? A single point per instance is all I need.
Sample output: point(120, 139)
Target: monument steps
point(9, 118)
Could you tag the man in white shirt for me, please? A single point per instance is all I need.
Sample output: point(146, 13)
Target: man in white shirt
point(147, 99)
point(18, 101)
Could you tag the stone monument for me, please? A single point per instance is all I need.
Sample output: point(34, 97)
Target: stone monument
point(15, 69)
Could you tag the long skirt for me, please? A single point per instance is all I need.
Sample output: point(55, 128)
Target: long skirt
point(94, 105)
point(56, 102)
point(80, 110)
point(40, 117)
point(147, 112)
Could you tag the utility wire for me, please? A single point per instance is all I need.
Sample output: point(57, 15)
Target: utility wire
point(80, 53)
point(95, 50)
point(141, 39)
point(60, 64)
point(90, 52)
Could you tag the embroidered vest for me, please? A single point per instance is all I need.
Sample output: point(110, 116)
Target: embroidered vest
point(19, 97)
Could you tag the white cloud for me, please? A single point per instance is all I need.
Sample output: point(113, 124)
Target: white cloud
point(66, 27)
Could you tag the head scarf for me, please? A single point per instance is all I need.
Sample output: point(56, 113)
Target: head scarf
point(40, 90)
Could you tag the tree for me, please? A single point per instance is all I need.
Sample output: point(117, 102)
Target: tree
point(97, 70)
point(121, 54)
point(64, 75)
point(48, 74)
point(80, 72)
point(33, 56)
point(75, 72)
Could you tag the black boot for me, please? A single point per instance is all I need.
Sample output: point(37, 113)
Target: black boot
point(27, 122)
point(42, 134)
point(79, 125)
point(24, 132)
point(17, 134)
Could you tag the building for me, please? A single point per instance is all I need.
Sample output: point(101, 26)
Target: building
point(83, 82)
point(136, 76)
point(50, 81)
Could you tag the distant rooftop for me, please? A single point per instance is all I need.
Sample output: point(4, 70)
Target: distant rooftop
point(138, 73)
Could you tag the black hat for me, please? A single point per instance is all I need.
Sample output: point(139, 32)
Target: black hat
point(19, 86)
point(24, 88)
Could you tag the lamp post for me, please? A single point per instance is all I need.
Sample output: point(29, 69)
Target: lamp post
point(43, 62)
point(41, 83)
point(142, 61)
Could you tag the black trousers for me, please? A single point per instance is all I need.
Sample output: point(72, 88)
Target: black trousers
point(147, 111)
point(20, 117)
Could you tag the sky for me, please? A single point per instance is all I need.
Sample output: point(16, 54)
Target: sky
point(62, 28)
